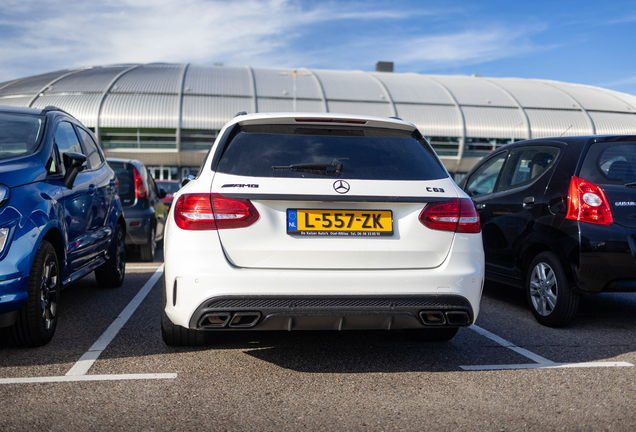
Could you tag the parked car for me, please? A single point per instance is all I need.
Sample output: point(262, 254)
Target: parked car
point(559, 219)
point(144, 211)
point(171, 187)
point(321, 221)
point(60, 218)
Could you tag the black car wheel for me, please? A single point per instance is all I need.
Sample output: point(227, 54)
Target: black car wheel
point(111, 273)
point(37, 320)
point(550, 296)
point(147, 251)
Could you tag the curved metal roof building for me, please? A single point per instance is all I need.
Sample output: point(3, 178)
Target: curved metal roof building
point(169, 114)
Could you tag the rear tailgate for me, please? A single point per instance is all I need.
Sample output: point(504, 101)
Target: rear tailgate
point(373, 225)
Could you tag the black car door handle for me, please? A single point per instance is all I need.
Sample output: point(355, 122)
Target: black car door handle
point(528, 201)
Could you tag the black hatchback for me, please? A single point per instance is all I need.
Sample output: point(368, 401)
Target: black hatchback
point(558, 219)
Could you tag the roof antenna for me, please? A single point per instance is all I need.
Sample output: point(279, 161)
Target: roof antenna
point(566, 130)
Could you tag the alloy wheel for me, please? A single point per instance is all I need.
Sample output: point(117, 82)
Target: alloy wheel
point(543, 289)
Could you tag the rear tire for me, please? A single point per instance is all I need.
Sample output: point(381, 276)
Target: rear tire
point(551, 299)
point(37, 319)
point(175, 335)
point(441, 334)
point(147, 251)
point(111, 273)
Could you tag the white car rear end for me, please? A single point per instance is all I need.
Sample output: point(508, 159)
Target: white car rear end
point(321, 221)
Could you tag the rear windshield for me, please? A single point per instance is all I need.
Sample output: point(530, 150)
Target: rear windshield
point(610, 163)
point(364, 153)
point(19, 134)
point(126, 176)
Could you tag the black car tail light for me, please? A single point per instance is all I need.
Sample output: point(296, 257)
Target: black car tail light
point(587, 203)
point(213, 211)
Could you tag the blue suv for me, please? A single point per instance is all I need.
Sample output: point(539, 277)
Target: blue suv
point(60, 218)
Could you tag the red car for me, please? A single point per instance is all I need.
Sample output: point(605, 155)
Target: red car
point(170, 186)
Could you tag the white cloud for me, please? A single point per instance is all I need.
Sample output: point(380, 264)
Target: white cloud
point(40, 37)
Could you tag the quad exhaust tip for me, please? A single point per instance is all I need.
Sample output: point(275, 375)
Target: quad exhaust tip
point(245, 319)
point(439, 318)
point(217, 320)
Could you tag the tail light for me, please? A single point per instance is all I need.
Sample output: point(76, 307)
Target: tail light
point(458, 215)
point(213, 211)
point(140, 189)
point(587, 203)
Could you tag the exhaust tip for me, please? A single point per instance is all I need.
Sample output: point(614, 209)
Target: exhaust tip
point(459, 318)
point(245, 319)
point(433, 318)
point(214, 320)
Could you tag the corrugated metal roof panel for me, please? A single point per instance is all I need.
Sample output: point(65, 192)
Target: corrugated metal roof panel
point(535, 93)
point(92, 80)
point(630, 100)
point(554, 123)
point(363, 108)
point(432, 120)
point(494, 123)
point(217, 80)
point(153, 78)
point(593, 98)
point(6, 83)
point(31, 85)
point(475, 91)
point(350, 85)
point(266, 105)
point(413, 88)
point(211, 113)
point(613, 123)
point(280, 83)
point(15, 101)
point(144, 111)
point(82, 107)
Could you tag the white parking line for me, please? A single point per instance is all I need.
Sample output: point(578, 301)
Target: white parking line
point(541, 362)
point(80, 369)
point(56, 379)
point(88, 359)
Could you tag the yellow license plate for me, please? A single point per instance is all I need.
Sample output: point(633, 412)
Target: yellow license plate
point(339, 223)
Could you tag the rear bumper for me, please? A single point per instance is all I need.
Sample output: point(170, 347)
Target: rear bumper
point(332, 312)
point(607, 260)
point(197, 275)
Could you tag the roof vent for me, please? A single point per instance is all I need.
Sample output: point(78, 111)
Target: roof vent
point(383, 66)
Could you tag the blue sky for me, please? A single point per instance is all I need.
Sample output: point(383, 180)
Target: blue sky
point(586, 42)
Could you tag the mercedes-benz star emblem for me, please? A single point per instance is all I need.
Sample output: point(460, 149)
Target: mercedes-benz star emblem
point(341, 186)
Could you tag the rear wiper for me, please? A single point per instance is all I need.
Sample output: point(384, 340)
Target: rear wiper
point(314, 168)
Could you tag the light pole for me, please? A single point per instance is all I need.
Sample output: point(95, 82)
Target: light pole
point(294, 74)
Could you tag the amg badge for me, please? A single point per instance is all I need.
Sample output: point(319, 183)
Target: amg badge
point(240, 185)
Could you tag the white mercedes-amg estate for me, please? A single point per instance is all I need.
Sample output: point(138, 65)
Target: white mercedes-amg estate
point(302, 221)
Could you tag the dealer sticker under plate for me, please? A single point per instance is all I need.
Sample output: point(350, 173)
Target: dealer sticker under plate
point(339, 223)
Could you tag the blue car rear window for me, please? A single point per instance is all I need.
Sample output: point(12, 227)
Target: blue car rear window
point(19, 134)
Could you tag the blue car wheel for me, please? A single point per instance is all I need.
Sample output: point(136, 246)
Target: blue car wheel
point(37, 319)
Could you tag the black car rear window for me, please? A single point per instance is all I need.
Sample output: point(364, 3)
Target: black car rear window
point(19, 134)
point(610, 163)
point(365, 153)
point(126, 176)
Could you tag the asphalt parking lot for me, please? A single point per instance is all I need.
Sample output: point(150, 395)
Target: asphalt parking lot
point(108, 369)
